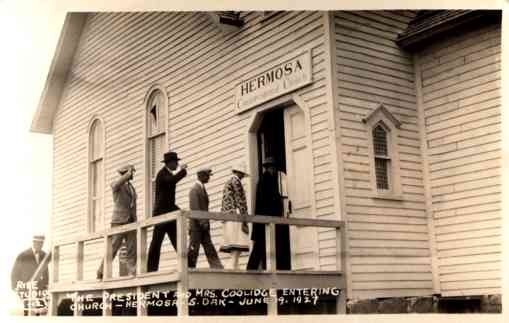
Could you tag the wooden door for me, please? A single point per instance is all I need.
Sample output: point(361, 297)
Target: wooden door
point(304, 242)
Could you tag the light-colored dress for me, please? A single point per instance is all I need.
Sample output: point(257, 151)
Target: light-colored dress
point(234, 201)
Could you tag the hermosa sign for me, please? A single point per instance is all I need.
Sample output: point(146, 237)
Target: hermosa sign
point(281, 79)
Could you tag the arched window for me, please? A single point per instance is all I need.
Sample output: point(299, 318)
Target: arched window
point(156, 107)
point(96, 176)
point(382, 157)
point(383, 149)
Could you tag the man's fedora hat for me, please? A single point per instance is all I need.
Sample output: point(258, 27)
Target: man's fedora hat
point(204, 170)
point(269, 161)
point(124, 169)
point(169, 156)
point(38, 237)
point(241, 168)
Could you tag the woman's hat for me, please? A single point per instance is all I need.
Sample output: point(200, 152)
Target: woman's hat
point(241, 168)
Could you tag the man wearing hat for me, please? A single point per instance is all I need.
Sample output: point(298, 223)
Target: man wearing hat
point(24, 268)
point(166, 183)
point(124, 211)
point(269, 202)
point(199, 229)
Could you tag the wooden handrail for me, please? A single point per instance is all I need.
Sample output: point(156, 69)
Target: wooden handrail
point(216, 216)
point(120, 229)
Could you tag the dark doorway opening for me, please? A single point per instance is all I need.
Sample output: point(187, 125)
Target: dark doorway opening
point(271, 139)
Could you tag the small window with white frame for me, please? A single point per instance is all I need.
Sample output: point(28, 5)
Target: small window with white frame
point(156, 143)
point(383, 133)
point(96, 176)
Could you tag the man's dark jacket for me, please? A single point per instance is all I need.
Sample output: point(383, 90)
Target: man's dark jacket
point(165, 191)
point(268, 202)
point(25, 266)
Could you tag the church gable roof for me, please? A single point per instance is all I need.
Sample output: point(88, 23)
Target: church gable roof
point(67, 43)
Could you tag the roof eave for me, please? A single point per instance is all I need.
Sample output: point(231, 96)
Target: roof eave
point(414, 40)
point(42, 121)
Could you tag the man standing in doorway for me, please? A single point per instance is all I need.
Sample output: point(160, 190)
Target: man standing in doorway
point(24, 268)
point(199, 230)
point(124, 212)
point(166, 183)
point(269, 201)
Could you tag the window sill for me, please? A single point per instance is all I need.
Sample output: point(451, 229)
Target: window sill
point(387, 196)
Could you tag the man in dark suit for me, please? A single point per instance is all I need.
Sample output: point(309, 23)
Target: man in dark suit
point(124, 211)
point(24, 268)
point(199, 229)
point(166, 182)
point(269, 202)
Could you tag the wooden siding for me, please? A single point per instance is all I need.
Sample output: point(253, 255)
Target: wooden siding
point(121, 55)
point(460, 79)
point(389, 240)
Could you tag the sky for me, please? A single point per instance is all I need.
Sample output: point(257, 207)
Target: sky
point(28, 40)
point(29, 31)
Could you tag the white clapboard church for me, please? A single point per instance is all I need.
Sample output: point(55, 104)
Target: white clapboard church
point(386, 123)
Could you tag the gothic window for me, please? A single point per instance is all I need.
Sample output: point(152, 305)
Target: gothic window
point(96, 176)
point(155, 140)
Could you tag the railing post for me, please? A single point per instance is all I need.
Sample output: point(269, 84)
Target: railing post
point(270, 247)
point(78, 304)
point(53, 301)
point(106, 303)
point(141, 308)
point(141, 250)
point(53, 304)
point(341, 266)
point(182, 285)
point(79, 260)
point(56, 263)
point(107, 264)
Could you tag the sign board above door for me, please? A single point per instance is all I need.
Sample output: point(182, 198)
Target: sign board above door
point(283, 78)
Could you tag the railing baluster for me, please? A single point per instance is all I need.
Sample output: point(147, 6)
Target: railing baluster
point(56, 263)
point(182, 285)
point(80, 246)
point(54, 298)
point(53, 304)
point(107, 256)
point(341, 266)
point(141, 250)
point(270, 247)
point(78, 304)
point(106, 303)
point(141, 309)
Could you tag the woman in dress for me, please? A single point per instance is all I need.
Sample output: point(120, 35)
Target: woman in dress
point(236, 237)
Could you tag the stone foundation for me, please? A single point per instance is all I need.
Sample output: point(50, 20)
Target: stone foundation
point(491, 304)
point(426, 304)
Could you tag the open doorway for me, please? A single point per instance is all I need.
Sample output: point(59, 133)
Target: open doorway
point(282, 133)
point(271, 139)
